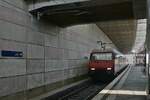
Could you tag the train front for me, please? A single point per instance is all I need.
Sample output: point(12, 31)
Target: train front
point(101, 64)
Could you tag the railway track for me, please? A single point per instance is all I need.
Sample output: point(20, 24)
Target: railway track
point(86, 93)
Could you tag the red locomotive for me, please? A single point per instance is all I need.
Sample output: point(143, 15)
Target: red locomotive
point(105, 63)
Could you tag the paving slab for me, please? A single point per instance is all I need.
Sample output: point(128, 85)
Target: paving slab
point(133, 87)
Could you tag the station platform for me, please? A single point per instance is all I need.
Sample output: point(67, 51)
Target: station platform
point(131, 86)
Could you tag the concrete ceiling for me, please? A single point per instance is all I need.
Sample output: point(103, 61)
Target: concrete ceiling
point(121, 32)
point(117, 18)
point(87, 11)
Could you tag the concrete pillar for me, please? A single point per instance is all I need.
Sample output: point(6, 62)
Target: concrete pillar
point(148, 42)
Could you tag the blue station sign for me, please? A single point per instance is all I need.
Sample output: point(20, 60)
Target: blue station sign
point(6, 53)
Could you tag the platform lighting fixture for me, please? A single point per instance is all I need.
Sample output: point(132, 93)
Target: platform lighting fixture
point(147, 58)
point(133, 51)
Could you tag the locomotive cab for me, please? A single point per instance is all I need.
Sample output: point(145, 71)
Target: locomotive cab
point(106, 64)
point(102, 64)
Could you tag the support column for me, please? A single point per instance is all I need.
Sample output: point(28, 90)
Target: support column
point(148, 43)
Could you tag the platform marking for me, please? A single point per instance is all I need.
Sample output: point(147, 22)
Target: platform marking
point(118, 86)
point(106, 90)
point(126, 92)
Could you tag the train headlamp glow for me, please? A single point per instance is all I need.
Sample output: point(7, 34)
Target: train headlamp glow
point(92, 68)
point(108, 68)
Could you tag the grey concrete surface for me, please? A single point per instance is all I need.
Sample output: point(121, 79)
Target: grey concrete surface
point(50, 53)
point(133, 88)
point(117, 18)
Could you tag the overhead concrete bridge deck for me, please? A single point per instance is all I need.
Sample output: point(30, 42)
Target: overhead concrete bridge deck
point(111, 16)
point(44, 44)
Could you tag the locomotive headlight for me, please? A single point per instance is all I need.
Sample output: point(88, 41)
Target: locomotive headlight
point(109, 68)
point(92, 68)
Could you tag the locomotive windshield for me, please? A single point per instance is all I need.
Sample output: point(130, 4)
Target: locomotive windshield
point(101, 56)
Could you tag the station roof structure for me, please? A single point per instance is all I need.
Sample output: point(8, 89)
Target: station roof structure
point(140, 40)
point(117, 18)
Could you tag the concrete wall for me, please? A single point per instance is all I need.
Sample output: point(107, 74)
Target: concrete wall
point(50, 54)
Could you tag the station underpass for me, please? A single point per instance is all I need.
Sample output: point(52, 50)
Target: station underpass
point(45, 46)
